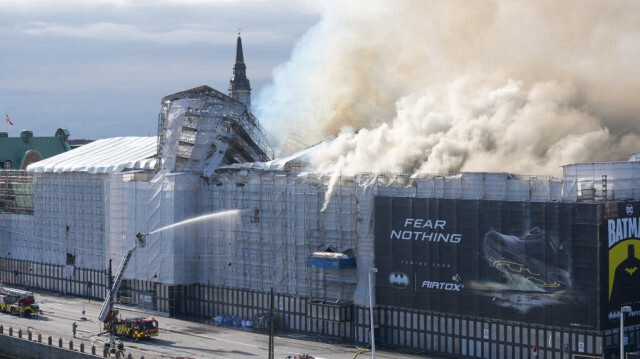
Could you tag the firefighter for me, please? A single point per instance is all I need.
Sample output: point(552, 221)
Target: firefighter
point(74, 326)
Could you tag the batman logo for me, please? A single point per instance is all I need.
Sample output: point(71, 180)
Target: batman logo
point(399, 280)
point(631, 270)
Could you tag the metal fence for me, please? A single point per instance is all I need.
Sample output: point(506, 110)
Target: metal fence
point(84, 282)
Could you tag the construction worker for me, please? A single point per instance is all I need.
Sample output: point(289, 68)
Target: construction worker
point(73, 328)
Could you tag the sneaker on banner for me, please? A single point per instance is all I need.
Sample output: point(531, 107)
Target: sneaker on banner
point(533, 257)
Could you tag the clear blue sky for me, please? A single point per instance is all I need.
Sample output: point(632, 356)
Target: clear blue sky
point(100, 68)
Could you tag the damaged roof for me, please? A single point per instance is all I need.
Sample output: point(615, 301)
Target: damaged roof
point(297, 161)
point(202, 129)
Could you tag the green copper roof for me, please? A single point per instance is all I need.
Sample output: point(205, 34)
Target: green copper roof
point(28, 148)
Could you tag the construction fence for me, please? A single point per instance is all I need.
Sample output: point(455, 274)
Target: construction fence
point(82, 282)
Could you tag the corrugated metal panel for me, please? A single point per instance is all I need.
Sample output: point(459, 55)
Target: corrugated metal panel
point(14, 148)
point(109, 155)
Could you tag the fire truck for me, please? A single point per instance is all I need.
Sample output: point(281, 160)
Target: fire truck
point(136, 328)
point(18, 302)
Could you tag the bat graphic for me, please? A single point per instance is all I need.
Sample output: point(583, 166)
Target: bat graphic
point(399, 280)
point(631, 270)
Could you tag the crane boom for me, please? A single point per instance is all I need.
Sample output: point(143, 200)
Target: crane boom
point(107, 306)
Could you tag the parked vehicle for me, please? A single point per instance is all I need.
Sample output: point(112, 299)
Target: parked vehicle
point(18, 302)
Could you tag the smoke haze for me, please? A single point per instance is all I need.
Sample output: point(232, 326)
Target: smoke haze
point(448, 86)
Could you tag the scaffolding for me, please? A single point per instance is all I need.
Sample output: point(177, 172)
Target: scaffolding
point(603, 181)
point(273, 217)
point(16, 191)
point(281, 225)
point(202, 129)
point(277, 221)
point(63, 224)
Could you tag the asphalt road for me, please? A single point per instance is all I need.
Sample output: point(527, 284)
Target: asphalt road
point(178, 338)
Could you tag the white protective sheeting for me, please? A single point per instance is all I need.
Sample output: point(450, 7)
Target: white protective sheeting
point(601, 181)
point(147, 207)
point(18, 238)
point(279, 225)
point(102, 156)
point(68, 221)
point(470, 185)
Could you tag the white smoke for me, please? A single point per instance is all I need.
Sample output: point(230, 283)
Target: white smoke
point(447, 86)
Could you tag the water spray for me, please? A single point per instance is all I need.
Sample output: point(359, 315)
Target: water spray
point(231, 212)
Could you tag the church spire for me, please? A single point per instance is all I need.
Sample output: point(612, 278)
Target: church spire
point(239, 87)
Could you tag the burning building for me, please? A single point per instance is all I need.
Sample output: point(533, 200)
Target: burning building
point(470, 264)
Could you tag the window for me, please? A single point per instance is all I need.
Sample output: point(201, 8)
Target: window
point(6, 165)
point(71, 259)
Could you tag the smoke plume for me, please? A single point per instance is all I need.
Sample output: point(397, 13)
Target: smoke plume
point(448, 86)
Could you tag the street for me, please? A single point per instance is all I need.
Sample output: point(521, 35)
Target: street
point(178, 338)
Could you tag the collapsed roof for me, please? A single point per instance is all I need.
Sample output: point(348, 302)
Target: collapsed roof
point(202, 129)
point(296, 162)
point(199, 130)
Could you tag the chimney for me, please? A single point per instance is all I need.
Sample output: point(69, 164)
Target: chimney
point(26, 135)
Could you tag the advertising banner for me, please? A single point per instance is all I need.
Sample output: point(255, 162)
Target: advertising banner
point(621, 261)
point(522, 261)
